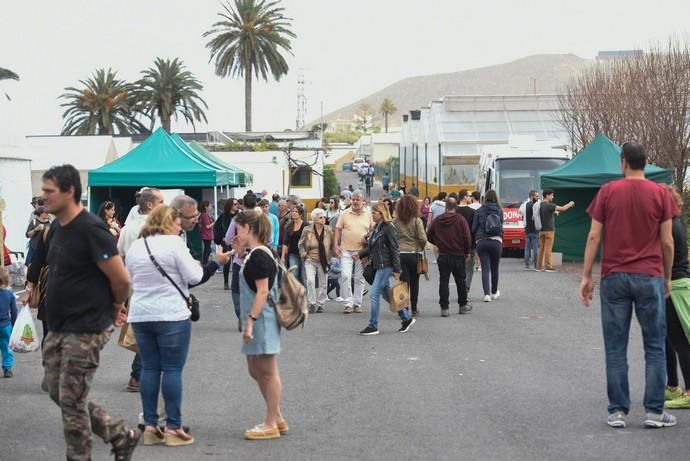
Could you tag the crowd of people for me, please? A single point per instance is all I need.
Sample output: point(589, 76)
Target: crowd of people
point(139, 276)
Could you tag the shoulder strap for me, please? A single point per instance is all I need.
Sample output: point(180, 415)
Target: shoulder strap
point(161, 270)
point(263, 248)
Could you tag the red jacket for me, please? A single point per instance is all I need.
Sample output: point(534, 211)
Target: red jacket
point(451, 234)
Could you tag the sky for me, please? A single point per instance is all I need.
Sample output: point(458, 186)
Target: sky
point(345, 49)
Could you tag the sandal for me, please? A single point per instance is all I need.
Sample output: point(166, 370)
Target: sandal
point(177, 438)
point(153, 436)
point(261, 432)
point(283, 426)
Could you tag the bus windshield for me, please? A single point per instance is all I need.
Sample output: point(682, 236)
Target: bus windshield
point(515, 177)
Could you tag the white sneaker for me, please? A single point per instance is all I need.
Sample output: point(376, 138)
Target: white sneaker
point(496, 295)
point(339, 299)
point(487, 298)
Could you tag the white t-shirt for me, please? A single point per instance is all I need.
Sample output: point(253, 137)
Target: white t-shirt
point(154, 298)
point(130, 233)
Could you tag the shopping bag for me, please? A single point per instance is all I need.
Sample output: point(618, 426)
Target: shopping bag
point(127, 338)
point(400, 297)
point(24, 337)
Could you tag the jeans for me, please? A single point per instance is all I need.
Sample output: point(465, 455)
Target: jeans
point(408, 263)
point(531, 248)
point(352, 297)
point(7, 354)
point(381, 287)
point(316, 295)
point(489, 252)
point(469, 269)
point(163, 347)
point(448, 265)
point(295, 260)
point(235, 288)
point(620, 293)
point(136, 367)
point(546, 239)
point(333, 284)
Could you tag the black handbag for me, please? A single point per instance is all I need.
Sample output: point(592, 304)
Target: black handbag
point(369, 272)
point(191, 300)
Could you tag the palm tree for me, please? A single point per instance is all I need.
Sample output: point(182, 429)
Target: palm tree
point(168, 89)
point(6, 74)
point(387, 108)
point(248, 42)
point(103, 105)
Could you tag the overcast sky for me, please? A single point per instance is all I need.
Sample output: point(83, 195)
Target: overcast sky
point(346, 49)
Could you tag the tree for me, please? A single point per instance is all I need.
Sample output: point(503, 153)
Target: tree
point(104, 105)
point(6, 74)
point(248, 42)
point(364, 119)
point(166, 90)
point(387, 108)
point(644, 98)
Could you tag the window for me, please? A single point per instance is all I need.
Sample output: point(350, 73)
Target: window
point(300, 177)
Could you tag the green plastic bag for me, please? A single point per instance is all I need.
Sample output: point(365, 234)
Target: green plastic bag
point(680, 295)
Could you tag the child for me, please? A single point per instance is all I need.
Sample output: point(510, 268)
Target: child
point(334, 278)
point(8, 315)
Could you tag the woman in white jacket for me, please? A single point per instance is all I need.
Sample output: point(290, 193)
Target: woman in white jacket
point(160, 319)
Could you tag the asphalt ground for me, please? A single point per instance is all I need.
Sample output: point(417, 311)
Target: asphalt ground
point(520, 378)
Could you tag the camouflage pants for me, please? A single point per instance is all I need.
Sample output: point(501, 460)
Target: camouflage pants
point(70, 361)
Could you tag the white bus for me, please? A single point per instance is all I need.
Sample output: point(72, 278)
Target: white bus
point(513, 170)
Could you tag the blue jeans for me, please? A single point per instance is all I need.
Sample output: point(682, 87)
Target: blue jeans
point(489, 252)
point(7, 354)
point(531, 248)
point(620, 293)
point(381, 287)
point(163, 347)
point(300, 273)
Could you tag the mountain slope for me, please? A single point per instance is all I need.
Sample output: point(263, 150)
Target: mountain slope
point(551, 72)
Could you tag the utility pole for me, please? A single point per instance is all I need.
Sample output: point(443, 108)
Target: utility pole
point(301, 103)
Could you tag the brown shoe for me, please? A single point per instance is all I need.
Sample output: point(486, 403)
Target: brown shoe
point(133, 385)
point(177, 438)
point(283, 426)
point(261, 432)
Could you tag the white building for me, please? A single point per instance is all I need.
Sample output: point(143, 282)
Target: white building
point(270, 170)
point(15, 190)
point(440, 144)
point(83, 152)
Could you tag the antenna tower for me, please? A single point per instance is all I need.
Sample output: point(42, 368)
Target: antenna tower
point(301, 103)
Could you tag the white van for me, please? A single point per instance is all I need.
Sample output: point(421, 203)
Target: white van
point(356, 163)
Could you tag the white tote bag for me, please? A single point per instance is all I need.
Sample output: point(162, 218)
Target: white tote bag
point(24, 337)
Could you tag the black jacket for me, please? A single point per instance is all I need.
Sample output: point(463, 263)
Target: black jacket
point(480, 220)
point(383, 248)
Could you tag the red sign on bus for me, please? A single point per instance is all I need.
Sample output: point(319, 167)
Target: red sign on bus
point(511, 215)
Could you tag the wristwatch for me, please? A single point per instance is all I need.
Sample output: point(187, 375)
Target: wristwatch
point(252, 317)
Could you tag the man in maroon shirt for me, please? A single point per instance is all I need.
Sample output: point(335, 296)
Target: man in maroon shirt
point(634, 216)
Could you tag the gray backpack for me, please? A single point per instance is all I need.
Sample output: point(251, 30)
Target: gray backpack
point(536, 215)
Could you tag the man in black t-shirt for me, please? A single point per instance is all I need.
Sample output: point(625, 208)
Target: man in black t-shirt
point(464, 209)
point(85, 294)
point(547, 234)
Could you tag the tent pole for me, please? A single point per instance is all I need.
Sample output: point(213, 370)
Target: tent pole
point(88, 198)
point(215, 202)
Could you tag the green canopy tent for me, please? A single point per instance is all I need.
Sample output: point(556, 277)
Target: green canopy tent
point(579, 180)
point(160, 161)
point(245, 178)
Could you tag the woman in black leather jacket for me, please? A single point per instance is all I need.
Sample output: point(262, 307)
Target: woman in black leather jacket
point(384, 252)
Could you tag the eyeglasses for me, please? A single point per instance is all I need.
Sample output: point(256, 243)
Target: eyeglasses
point(321, 217)
point(190, 218)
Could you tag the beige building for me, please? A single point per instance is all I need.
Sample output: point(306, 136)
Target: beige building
point(378, 148)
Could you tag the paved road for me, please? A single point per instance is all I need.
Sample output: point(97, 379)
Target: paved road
point(346, 178)
point(521, 378)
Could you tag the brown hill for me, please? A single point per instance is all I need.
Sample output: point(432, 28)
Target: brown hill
point(543, 73)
